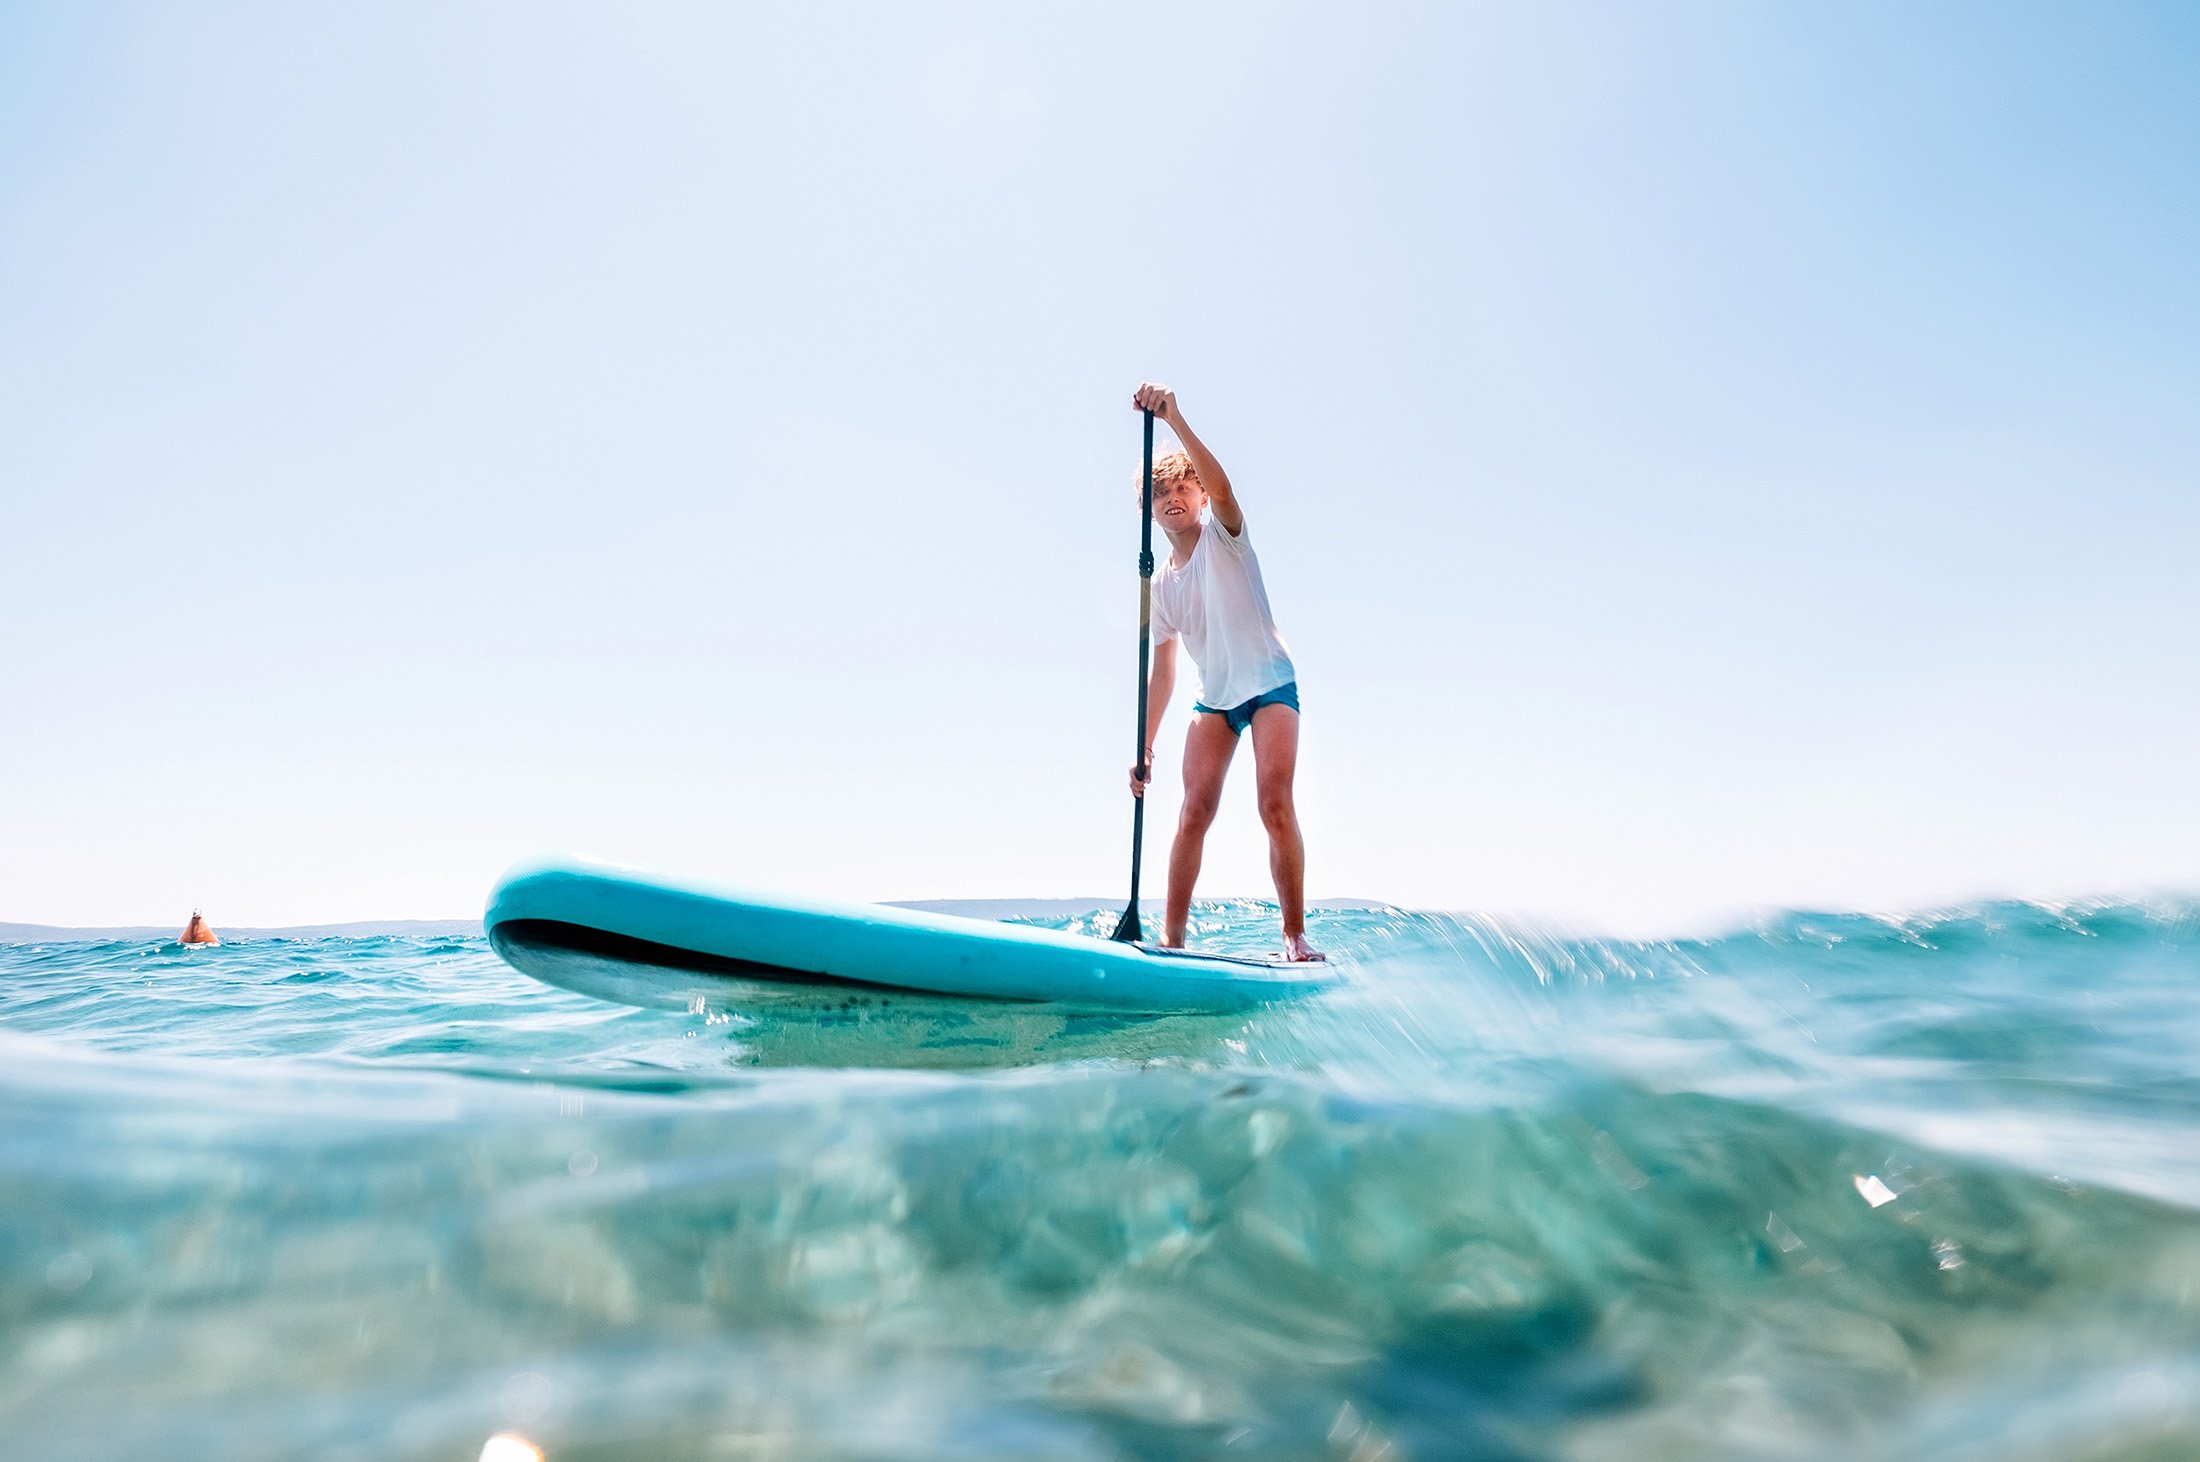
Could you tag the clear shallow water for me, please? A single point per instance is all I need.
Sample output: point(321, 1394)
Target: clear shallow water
point(1829, 1187)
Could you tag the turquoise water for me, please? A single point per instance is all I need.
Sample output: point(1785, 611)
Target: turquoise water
point(1830, 1186)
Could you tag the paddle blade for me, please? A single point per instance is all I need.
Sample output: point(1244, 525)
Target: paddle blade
point(1126, 928)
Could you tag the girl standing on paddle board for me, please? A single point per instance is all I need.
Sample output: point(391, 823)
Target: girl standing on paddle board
point(1210, 596)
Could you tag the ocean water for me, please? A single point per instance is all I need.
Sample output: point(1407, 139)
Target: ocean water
point(1824, 1187)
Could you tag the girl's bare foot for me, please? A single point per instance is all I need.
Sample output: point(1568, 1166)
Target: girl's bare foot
point(1296, 948)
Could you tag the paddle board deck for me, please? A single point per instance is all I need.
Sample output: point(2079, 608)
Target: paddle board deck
point(542, 913)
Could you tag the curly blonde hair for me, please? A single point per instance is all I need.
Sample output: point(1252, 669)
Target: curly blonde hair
point(1170, 466)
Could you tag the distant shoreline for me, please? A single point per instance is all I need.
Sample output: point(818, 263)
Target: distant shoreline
point(471, 928)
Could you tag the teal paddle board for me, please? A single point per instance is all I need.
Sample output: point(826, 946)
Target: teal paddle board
point(542, 914)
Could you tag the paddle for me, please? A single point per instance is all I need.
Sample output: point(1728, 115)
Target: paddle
point(1126, 929)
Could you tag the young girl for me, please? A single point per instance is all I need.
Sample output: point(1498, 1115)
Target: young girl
point(1210, 596)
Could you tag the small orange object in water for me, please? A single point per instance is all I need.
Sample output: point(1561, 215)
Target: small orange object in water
point(196, 931)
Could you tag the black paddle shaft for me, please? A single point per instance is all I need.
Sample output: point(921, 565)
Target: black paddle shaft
point(1127, 928)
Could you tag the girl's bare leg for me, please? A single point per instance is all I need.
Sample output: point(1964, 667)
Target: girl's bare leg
point(1276, 764)
point(1208, 746)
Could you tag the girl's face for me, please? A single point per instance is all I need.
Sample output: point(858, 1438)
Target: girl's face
point(1177, 502)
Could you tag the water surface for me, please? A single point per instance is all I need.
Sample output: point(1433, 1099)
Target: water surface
point(1830, 1186)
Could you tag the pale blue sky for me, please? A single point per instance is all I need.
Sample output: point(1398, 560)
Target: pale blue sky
point(1702, 456)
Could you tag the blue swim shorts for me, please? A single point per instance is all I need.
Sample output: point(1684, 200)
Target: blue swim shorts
point(1240, 717)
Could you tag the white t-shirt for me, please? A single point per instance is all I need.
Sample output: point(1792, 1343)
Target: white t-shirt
point(1217, 604)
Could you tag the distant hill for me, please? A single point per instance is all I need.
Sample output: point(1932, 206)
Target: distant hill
point(471, 928)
